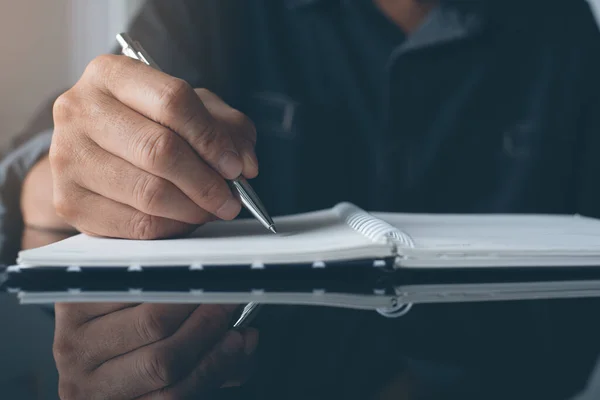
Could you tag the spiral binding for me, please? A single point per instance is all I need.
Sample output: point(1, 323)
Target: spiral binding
point(379, 231)
point(395, 311)
point(373, 228)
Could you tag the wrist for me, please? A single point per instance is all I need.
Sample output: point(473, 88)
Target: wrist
point(37, 204)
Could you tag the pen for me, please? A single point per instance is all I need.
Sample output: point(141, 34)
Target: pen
point(248, 197)
point(240, 185)
point(247, 315)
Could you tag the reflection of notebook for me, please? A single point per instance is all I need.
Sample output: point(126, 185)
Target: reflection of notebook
point(343, 256)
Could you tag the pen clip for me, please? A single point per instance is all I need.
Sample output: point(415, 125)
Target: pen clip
point(134, 49)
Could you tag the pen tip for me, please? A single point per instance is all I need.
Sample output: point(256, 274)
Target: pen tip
point(272, 229)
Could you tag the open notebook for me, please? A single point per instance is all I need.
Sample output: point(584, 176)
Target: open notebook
point(342, 256)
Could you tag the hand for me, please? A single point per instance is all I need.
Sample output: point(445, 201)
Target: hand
point(36, 201)
point(139, 154)
point(148, 351)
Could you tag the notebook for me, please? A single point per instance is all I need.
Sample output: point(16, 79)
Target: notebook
point(343, 256)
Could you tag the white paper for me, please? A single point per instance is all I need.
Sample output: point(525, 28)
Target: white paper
point(310, 237)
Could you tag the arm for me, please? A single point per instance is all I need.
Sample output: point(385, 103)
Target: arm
point(172, 33)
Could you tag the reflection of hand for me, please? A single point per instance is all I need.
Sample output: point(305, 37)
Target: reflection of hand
point(148, 351)
point(139, 154)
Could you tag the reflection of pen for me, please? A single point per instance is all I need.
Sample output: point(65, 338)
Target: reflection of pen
point(248, 314)
point(247, 196)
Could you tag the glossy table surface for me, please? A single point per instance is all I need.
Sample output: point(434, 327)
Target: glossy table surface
point(405, 384)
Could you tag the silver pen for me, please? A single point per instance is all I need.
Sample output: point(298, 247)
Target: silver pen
point(248, 197)
point(240, 185)
point(247, 315)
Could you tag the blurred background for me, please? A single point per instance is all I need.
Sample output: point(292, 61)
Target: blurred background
point(44, 47)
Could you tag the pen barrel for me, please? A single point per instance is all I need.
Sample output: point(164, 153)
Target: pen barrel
point(251, 201)
point(247, 315)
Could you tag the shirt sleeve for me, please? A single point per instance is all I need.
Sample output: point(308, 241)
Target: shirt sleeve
point(588, 196)
point(186, 39)
point(589, 163)
point(13, 169)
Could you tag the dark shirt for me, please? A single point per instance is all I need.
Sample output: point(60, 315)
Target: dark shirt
point(480, 110)
point(487, 107)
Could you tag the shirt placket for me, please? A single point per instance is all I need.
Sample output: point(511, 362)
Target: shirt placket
point(397, 156)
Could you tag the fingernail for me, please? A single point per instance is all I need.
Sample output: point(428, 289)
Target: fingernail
point(232, 343)
point(230, 165)
point(229, 210)
point(250, 341)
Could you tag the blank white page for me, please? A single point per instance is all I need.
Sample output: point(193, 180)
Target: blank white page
point(310, 237)
point(500, 239)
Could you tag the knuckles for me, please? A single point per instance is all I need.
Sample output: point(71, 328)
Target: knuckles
point(149, 192)
point(71, 390)
point(64, 205)
point(211, 141)
point(158, 150)
point(101, 68)
point(64, 350)
point(211, 191)
point(144, 227)
point(158, 368)
point(100, 65)
point(59, 159)
point(66, 108)
point(151, 327)
point(175, 96)
point(70, 363)
point(81, 99)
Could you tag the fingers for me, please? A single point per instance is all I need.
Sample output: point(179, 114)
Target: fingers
point(128, 329)
point(154, 149)
point(72, 315)
point(95, 215)
point(70, 347)
point(243, 370)
point(172, 103)
point(159, 125)
point(151, 350)
point(116, 179)
point(229, 356)
point(166, 361)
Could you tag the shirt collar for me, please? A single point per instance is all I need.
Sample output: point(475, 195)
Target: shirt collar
point(451, 20)
point(304, 3)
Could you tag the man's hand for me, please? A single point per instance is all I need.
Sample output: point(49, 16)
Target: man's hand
point(148, 351)
point(139, 154)
point(37, 207)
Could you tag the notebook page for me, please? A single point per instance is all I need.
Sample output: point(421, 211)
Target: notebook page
point(317, 236)
point(535, 239)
